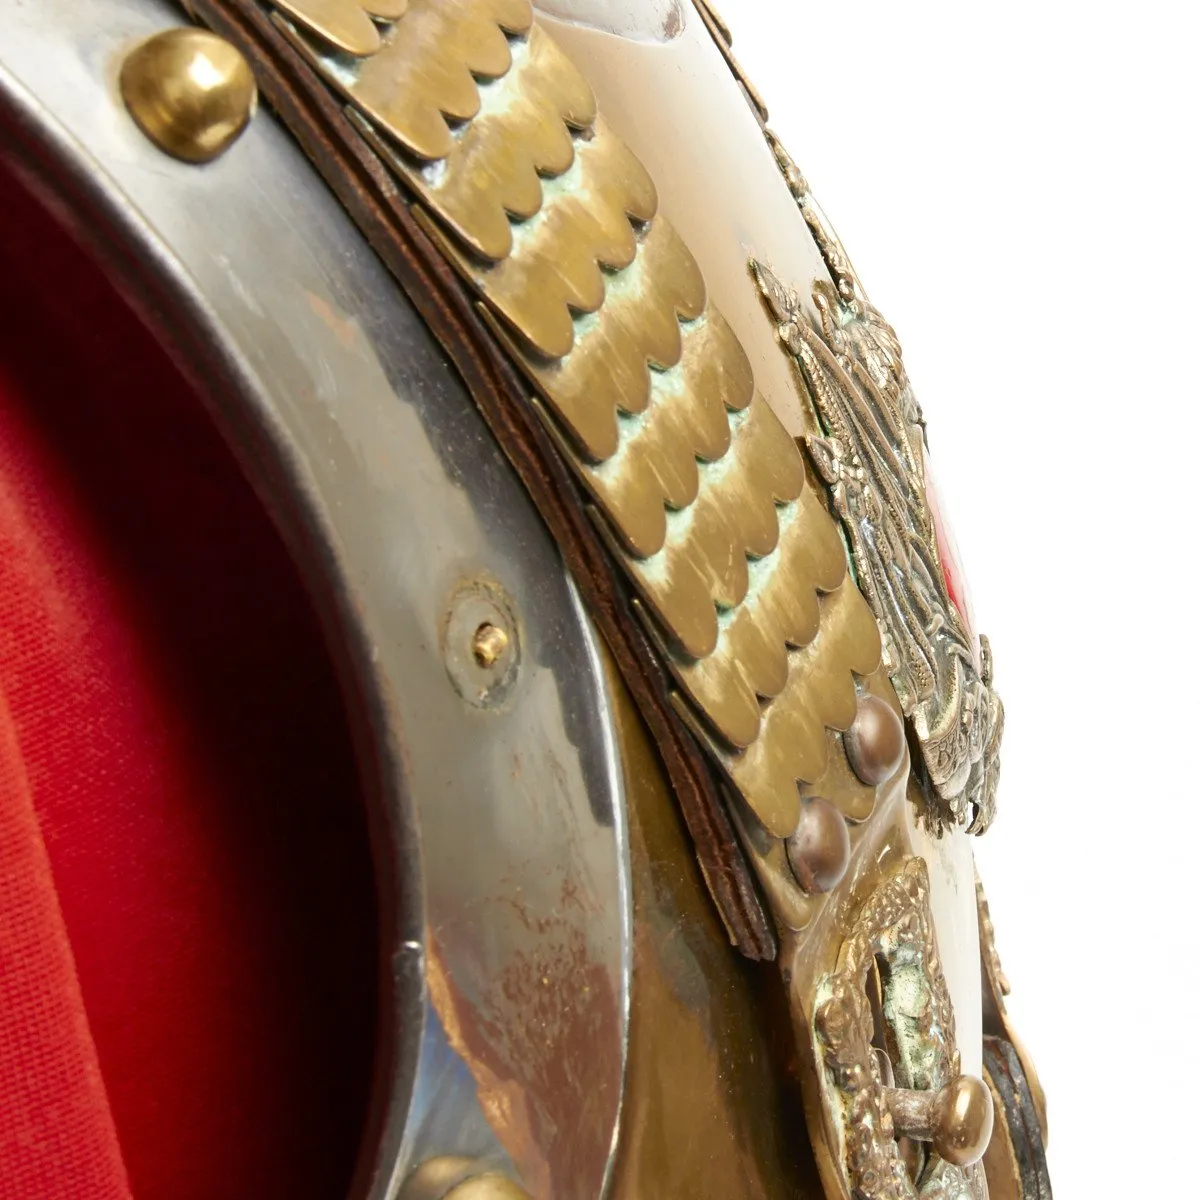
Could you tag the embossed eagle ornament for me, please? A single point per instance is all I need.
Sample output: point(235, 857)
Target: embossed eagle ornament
point(871, 454)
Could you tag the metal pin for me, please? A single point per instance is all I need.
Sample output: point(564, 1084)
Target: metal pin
point(957, 1119)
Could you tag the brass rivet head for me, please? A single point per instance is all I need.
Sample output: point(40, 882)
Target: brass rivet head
point(875, 741)
point(819, 849)
point(963, 1118)
point(190, 92)
point(488, 644)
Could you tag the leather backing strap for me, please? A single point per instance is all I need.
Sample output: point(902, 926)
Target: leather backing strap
point(1010, 1087)
point(370, 195)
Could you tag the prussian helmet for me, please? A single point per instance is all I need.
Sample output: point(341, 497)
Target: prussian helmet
point(489, 706)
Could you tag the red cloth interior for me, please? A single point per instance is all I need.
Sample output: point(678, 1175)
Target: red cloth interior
point(188, 957)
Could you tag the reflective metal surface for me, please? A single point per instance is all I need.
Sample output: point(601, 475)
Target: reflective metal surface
point(680, 109)
point(503, 861)
point(712, 1104)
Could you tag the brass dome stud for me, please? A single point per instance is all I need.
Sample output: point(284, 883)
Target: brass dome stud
point(875, 741)
point(819, 849)
point(957, 1119)
point(190, 92)
point(963, 1118)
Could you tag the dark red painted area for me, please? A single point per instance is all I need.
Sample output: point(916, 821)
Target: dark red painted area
point(187, 930)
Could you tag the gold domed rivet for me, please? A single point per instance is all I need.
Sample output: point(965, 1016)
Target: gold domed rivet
point(875, 741)
point(963, 1120)
point(190, 92)
point(819, 849)
point(957, 1120)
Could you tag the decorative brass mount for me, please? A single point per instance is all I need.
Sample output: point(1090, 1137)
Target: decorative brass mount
point(884, 1016)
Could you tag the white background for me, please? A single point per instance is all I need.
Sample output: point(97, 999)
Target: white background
point(1017, 187)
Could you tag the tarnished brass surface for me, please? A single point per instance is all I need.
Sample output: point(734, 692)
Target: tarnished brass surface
point(752, 659)
point(818, 850)
point(559, 266)
point(820, 695)
point(190, 92)
point(894, 928)
point(712, 1107)
point(875, 741)
point(511, 166)
point(957, 1119)
point(345, 24)
point(540, 205)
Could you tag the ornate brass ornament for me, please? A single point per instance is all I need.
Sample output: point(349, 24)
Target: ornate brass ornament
point(739, 569)
point(872, 456)
point(894, 935)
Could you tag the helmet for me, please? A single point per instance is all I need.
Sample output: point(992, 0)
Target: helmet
point(493, 706)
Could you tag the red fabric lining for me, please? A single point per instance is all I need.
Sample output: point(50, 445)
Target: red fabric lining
point(197, 915)
point(56, 1135)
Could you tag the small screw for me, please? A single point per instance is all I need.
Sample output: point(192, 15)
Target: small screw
point(489, 642)
point(481, 642)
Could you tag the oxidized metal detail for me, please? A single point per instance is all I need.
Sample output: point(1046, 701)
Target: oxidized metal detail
point(894, 928)
point(740, 572)
point(872, 456)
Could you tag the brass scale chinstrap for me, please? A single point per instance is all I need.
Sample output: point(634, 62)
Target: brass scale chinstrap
point(485, 138)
